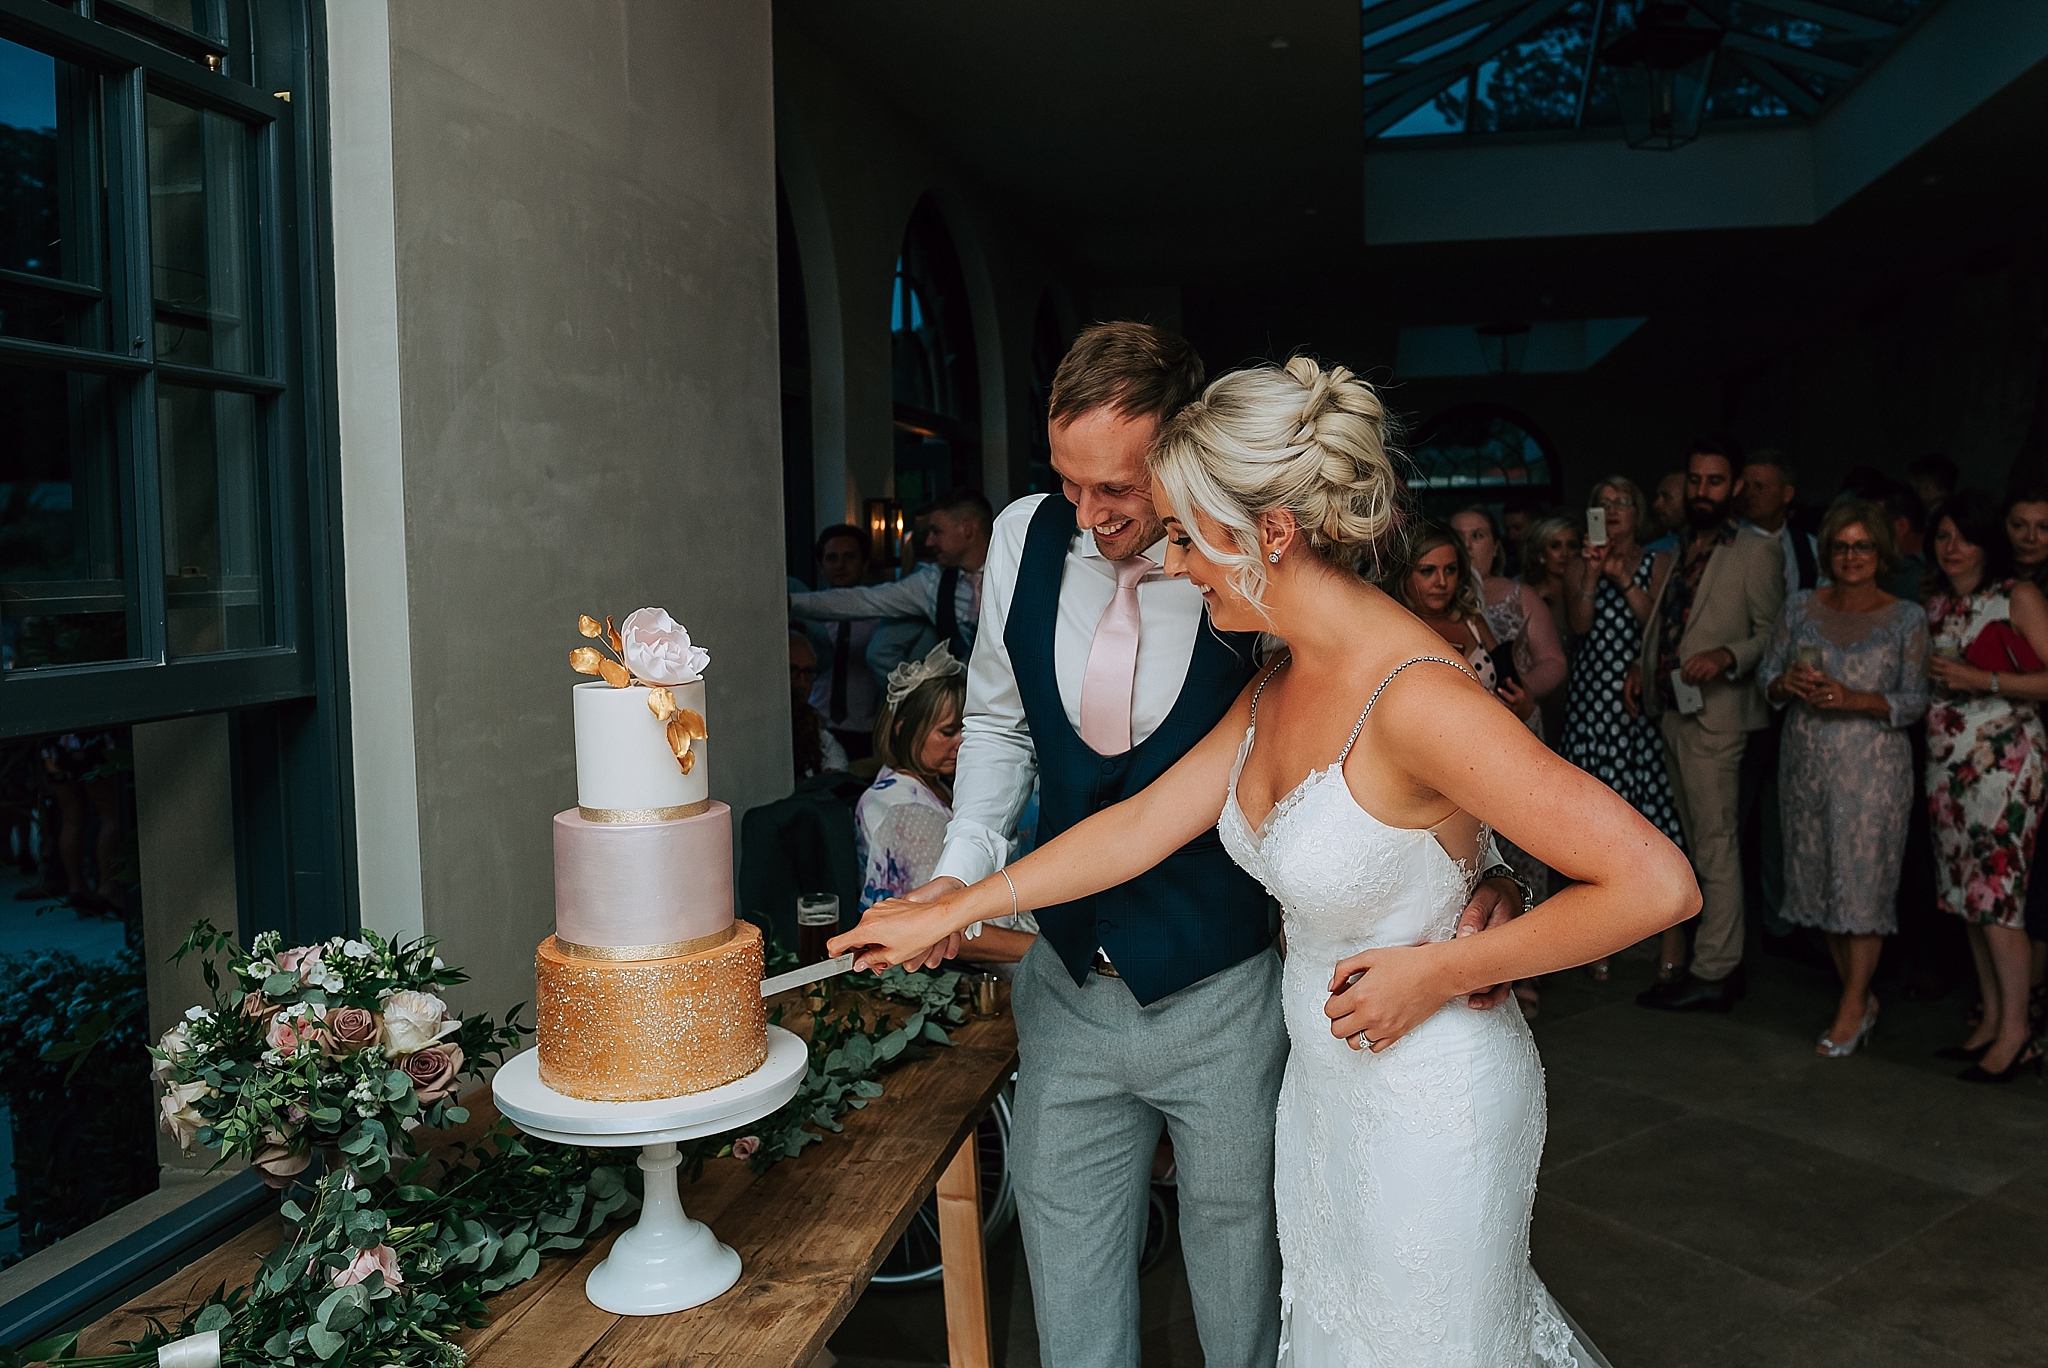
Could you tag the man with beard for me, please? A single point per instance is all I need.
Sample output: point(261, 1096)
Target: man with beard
point(1711, 617)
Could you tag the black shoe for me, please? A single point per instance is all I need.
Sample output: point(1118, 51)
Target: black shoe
point(2029, 1057)
point(1690, 994)
point(1963, 1054)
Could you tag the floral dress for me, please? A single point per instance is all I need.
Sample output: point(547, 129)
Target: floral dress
point(1985, 775)
point(1625, 753)
point(1845, 781)
point(899, 830)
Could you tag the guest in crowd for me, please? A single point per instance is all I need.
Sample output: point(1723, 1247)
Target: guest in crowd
point(1710, 618)
point(1516, 521)
point(1985, 771)
point(1433, 579)
point(1768, 493)
point(1933, 478)
point(2026, 532)
point(944, 592)
point(816, 749)
point(1667, 514)
point(1848, 663)
point(847, 693)
point(1607, 599)
point(1551, 546)
point(1513, 610)
point(2026, 527)
point(1909, 534)
point(900, 822)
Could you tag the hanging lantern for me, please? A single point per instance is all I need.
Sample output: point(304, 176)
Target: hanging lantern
point(1502, 346)
point(1661, 71)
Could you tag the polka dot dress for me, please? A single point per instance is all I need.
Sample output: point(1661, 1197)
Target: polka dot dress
point(1625, 753)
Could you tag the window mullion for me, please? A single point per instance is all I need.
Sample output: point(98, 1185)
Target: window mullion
point(132, 313)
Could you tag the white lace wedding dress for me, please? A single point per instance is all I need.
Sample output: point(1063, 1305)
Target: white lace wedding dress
point(1403, 1179)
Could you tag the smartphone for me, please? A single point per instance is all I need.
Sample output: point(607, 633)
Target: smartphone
point(1596, 527)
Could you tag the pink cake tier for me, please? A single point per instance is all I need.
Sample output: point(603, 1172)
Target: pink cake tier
point(643, 890)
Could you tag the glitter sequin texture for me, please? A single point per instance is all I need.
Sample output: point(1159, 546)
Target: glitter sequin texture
point(615, 1031)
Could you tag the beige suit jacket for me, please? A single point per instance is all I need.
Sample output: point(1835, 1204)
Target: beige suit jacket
point(1741, 593)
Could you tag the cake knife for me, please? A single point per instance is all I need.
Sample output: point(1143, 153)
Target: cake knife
point(810, 973)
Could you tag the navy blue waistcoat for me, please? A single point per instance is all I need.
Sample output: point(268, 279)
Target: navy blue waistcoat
point(1195, 913)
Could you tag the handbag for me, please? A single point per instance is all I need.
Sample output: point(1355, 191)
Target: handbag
point(2001, 650)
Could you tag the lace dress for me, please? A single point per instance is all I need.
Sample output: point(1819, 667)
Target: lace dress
point(1403, 1180)
point(1845, 781)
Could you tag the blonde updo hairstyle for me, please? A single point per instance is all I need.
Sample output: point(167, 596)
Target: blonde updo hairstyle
point(1301, 437)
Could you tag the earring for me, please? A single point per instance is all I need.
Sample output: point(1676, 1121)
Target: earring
point(1273, 556)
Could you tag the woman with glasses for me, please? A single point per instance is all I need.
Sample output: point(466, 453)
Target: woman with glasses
point(1850, 662)
point(1989, 633)
point(1607, 599)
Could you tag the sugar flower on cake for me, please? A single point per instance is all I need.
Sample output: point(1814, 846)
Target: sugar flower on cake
point(658, 649)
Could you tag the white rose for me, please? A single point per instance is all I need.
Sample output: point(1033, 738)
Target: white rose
point(658, 649)
point(175, 1045)
point(180, 1117)
point(413, 1021)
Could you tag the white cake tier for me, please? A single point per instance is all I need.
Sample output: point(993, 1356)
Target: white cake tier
point(623, 760)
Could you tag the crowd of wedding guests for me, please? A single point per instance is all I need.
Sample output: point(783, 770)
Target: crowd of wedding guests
point(1832, 708)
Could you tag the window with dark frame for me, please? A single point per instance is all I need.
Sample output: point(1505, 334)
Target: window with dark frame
point(167, 587)
point(934, 381)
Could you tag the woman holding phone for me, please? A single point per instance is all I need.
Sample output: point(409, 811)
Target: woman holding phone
point(1607, 595)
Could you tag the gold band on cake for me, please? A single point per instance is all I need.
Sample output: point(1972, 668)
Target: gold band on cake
point(666, 950)
point(636, 815)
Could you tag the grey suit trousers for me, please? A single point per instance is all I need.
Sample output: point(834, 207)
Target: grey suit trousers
point(1097, 1077)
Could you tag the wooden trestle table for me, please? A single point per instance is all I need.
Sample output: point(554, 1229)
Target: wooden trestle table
point(810, 1233)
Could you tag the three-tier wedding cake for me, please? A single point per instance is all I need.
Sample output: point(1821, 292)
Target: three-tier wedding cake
point(649, 987)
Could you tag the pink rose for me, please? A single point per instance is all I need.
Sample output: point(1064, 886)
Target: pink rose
point(349, 1029)
point(383, 1259)
point(746, 1147)
point(433, 1071)
point(257, 1007)
point(287, 1033)
point(277, 1165)
point(303, 961)
point(658, 649)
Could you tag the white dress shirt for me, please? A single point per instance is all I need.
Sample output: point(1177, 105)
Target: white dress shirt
point(998, 760)
point(916, 595)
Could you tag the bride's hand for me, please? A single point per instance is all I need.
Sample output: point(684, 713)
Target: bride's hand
point(1378, 996)
point(895, 932)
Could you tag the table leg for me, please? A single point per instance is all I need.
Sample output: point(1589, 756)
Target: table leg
point(962, 1255)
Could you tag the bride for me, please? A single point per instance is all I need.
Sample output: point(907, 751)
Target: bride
point(1357, 777)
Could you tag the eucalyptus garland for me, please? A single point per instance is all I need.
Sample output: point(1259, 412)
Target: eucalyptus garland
point(392, 1250)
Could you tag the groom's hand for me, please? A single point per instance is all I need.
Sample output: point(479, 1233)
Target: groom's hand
point(1494, 903)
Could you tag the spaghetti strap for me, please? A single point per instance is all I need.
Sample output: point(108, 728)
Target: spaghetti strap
point(1278, 665)
point(1359, 726)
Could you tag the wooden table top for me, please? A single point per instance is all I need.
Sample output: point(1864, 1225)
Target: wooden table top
point(810, 1233)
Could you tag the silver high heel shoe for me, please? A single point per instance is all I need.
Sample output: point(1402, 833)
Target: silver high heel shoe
point(1828, 1049)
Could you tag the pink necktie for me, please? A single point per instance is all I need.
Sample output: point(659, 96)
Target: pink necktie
point(1113, 664)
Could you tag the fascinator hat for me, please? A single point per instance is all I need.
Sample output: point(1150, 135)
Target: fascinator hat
point(938, 663)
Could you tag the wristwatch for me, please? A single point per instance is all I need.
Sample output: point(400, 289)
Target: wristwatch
point(1501, 871)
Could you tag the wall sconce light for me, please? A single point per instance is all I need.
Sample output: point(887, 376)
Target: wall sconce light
point(885, 531)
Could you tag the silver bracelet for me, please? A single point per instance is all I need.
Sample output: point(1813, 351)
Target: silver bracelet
point(1994, 681)
point(1013, 890)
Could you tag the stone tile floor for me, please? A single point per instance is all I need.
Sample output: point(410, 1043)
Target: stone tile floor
point(1714, 1195)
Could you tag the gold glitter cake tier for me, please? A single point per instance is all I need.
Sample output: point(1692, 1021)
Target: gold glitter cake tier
point(630, 1031)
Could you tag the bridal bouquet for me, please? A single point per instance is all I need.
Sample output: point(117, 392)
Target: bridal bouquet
point(344, 1047)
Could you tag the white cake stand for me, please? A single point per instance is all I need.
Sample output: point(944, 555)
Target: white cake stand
point(667, 1261)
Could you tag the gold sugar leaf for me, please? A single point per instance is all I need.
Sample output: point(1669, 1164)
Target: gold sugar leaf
point(687, 760)
point(586, 660)
point(662, 703)
point(611, 636)
point(613, 672)
point(693, 723)
point(588, 626)
point(678, 737)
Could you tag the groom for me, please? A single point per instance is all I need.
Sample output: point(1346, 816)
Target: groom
point(1158, 1001)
